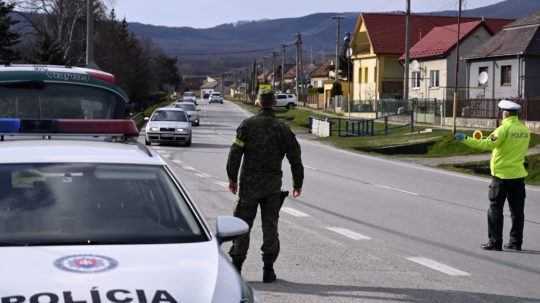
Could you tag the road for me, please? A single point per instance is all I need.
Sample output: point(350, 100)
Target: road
point(368, 229)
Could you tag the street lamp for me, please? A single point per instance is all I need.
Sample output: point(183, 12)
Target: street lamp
point(349, 55)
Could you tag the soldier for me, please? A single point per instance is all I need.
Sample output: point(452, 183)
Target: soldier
point(509, 143)
point(263, 141)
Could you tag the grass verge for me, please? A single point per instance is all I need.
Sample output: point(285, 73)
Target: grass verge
point(482, 169)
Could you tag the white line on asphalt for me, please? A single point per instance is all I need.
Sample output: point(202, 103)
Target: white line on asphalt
point(188, 168)
point(295, 213)
point(438, 267)
point(310, 167)
point(396, 189)
point(179, 162)
point(203, 175)
point(222, 184)
point(348, 233)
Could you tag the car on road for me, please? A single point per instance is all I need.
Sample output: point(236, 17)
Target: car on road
point(105, 220)
point(286, 100)
point(216, 97)
point(191, 110)
point(189, 97)
point(168, 125)
point(49, 92)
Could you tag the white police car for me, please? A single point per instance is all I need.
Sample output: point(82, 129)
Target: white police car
point(102, 219)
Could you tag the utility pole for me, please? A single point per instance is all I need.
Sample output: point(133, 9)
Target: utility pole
point(90, 60)
point(456, 97)
point(406, 81)
point(299, 73)
point(283, 64)
point(274, 57)
point(338, 42)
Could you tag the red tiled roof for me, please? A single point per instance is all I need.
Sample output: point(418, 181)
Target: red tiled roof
point(440, 40)
point(322, 71)
point(386, 30)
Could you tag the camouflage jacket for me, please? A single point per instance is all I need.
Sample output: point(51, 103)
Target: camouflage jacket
point(263, 141)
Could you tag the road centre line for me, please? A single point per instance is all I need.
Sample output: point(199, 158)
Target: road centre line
point(348, 233)
point(222, 184)
point(203, 175)
point(189, 168)
point(440, 267)
point(179, 162)
point(294, 212)
point(396, 189)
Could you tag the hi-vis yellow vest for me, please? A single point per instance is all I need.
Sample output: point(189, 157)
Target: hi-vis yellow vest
point(509, 143)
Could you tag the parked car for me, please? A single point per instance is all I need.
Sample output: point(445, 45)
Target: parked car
point(216, 98)
point(98, 212)
point(191, 110)
point(286, 100)
point(189, 97)
point(168, 125)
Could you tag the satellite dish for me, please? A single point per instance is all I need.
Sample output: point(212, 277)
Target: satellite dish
point(415, 65)
point(483, 78)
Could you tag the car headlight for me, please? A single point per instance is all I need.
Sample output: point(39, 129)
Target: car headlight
point(154, 129)
point(180, 130)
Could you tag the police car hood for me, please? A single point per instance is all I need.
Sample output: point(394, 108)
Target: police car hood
point(118, 274)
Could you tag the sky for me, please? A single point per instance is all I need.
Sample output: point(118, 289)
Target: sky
point(209, 13)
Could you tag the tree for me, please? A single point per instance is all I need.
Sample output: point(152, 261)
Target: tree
point(8, 38)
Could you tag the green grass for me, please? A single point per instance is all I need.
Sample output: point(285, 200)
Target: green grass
point(482, 169)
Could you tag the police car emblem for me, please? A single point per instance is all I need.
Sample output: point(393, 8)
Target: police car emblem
point(86, 264)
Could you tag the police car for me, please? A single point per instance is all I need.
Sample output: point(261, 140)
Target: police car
point(50, 92)
point(89, 215)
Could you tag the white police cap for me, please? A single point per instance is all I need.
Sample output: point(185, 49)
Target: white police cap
point(509, 106)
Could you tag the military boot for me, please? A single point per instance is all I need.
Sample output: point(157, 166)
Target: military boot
point(269, 275)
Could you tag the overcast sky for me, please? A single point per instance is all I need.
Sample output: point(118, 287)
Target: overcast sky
point(209, 13)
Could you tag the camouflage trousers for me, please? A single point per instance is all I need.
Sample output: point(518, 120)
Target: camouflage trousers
point(247, 211)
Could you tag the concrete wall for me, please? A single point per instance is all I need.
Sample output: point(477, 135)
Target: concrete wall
point(424, 91)
point(365, 89)
point(494, 89)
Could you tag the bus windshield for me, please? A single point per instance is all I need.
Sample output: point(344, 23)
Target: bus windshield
point(39, 100)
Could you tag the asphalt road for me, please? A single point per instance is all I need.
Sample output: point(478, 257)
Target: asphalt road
point(368, 229)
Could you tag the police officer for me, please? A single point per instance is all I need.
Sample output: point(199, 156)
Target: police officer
point(262, 141)
point(509, 144)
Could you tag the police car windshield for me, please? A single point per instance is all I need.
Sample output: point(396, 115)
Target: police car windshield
point(40, 100)
point(74, 204)
point(170, 115)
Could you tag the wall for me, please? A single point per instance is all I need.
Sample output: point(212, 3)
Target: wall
point(532, 75)
point(365, 90)
point(424, 91)
point(494, 89)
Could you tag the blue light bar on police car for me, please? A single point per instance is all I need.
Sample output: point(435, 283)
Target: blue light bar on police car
point(68, 126)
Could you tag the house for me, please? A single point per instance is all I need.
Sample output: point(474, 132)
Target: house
point(379, 42)
point(321, 75)
point(432, 74)
point(193, 82)
point(511, 60)
point(208, 87)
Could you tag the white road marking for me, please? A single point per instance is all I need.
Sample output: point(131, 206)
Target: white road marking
point(203, 175)
point(438, 267)
point(396, 189)
point(222, 184)
point(348, 233)
point(179, 162)
point(310, 167)
point(189, 168)
point(295, 213)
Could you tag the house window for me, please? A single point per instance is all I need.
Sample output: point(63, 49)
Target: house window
point(360, 79)
point(482, 69)
point(415, 80)
point(506, 75)
point(434, 78)
point(366, 75)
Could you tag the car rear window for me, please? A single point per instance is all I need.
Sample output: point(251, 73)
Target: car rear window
point(63, 204)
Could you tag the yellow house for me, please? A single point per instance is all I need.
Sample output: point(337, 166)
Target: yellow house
point(378, 43)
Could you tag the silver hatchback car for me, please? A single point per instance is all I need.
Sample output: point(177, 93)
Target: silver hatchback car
point(191, 110)
point(168, 125)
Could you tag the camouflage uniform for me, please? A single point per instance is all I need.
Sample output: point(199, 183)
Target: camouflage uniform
point(263, 141)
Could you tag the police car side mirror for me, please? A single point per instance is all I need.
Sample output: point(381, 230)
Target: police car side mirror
point(230, 228)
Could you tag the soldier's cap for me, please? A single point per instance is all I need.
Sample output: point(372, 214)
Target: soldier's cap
point(510, 106)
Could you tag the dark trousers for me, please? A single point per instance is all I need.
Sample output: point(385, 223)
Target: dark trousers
point(499, 191)
point(247, 211)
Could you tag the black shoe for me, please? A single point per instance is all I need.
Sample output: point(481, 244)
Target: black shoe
point(269, 275)
point(511, 246)
point(492, 246)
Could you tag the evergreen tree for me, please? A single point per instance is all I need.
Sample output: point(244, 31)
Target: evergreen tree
point(8, 38)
